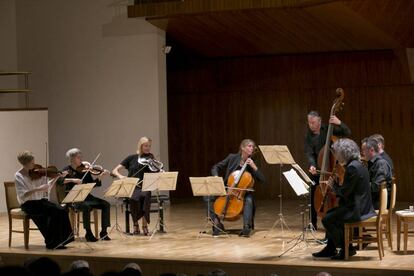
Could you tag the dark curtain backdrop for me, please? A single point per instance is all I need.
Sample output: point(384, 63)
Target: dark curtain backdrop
point(215, 103)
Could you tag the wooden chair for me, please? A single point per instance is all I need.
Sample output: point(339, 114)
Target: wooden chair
point(74, 215)
point(375, 222)
point(404, 217)
point(15, 212)
point(388, 215)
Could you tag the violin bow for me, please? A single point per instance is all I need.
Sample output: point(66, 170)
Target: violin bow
point(89, 169)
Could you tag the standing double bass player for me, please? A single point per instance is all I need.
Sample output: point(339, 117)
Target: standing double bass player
point(314, 142)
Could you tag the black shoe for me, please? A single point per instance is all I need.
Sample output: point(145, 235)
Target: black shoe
point(246, 232)
point(104, 236)
point(326, 252)
point(90, 237)
point(341, 254)
point(218, 229)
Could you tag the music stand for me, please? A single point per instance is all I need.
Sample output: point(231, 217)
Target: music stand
point(278, 154)
point(162, 181)
point(208, 186)
point(301, 189)
point(121, 188)
point(78, 193)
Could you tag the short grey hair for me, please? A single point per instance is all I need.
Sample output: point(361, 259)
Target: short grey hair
point(346, 150)
point(379, 138)
point(314, 113)
point(372, 143)
point(73, 152)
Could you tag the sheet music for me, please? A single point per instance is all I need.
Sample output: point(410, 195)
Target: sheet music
point(297, 184)
point(302, 173)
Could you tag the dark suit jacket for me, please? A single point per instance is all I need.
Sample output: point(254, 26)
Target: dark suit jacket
point(355, 193)
point(231, 164)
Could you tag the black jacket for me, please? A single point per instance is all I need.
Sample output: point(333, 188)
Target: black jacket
point(315, 142)
point(355, 193)
point(231, 164)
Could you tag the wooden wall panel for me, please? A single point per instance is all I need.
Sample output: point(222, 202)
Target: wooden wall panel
point(214, 103)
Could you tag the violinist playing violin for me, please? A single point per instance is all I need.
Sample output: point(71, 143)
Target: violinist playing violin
point(32, 188)
point(231, 163)
point(355, 203)
point(138, 164)
point(78, 173)
point(314, 142)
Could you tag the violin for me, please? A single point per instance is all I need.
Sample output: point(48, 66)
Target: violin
point(153, 164)
point(93, 169)
point(39, 171)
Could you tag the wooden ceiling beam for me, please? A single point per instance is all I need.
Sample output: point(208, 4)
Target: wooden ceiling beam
point(181, 7)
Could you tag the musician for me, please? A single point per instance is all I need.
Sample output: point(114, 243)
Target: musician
point(381, 146)
point(314, 141)
point(137, 165)
point(76, 177)
point(379, 170)
point(232, 163)
point(51, 219)
point(354, 195)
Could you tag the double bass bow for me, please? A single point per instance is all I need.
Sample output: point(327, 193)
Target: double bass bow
point(325, 198)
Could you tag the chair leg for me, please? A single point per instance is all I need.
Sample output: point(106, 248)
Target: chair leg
point(405, 236)
point(379, 241)
point(390, 229)
point(346, 237)
point(95, 222)
point(10, 230)
point(360, 237)
point(398, 233)
point(26, 225)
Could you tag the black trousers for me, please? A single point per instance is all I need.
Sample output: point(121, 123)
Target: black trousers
point(334, 222)
point(314, 214)
point(90, 203)
point(52, 221)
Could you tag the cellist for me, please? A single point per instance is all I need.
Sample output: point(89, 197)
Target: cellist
point(230, 164)
point(314, 142)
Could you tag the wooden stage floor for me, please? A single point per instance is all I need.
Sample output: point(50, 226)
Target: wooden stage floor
point(180, 249)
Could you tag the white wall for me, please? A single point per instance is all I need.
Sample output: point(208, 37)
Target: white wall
point(101, 75)
point(20, 130)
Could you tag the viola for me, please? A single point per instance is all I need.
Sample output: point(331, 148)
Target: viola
point(39, 171)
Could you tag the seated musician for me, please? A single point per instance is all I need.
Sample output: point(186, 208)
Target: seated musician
point(314, 141)
point(354, 195)
point(137, 165)
point(232, 163)
point(379, 170)
point(76, 176)
point(381, 150)
point(51, 219)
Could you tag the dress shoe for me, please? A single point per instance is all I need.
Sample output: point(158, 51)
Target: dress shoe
point(326, 252)
point(341, 254)
point(104, 236)
point(218, 229)
point(90, 237)
point(246, 232)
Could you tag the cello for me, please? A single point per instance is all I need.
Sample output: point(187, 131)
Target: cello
point(325, 198)
point(230, 206)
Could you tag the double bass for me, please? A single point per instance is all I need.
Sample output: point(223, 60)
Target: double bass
point(230, 206)
point(324, 198)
